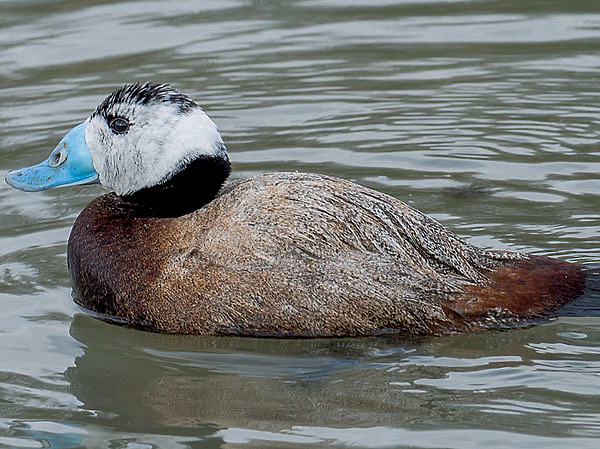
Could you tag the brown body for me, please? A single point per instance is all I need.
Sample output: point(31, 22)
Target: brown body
point(304, 255)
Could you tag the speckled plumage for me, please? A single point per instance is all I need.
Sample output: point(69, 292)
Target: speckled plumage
point(282, 254)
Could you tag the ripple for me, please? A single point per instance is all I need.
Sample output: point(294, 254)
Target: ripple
point(482, 114)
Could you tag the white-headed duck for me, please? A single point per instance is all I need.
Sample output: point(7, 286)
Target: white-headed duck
point(174, 249)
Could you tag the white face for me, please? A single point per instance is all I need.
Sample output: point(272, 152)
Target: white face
point(160, 140)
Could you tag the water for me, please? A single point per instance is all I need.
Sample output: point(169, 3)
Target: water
point(483, 114)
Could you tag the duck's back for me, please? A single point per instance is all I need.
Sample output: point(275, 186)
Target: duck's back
point(290, 254)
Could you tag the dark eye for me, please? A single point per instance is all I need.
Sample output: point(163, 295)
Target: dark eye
point(119, 125)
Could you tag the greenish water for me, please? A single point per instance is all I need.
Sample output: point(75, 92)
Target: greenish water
point(483, 114)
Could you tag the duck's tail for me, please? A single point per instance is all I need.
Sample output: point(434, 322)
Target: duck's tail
point(526, 289)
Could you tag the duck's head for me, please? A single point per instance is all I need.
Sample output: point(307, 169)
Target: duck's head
point(140, 140)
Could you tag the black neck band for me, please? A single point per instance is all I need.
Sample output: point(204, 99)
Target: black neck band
point(191, 188)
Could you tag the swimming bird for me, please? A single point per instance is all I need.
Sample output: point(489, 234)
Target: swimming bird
point(173, 248)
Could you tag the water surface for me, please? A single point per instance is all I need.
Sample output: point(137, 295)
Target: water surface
point(482, 114)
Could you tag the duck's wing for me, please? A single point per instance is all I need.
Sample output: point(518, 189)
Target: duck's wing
point(315, 249)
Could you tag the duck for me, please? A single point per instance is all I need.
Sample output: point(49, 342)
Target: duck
point(174, 248)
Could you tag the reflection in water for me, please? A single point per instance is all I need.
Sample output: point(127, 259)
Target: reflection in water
point(483, 114)
point(190, 381)
point(45, 434)
point(241, 389)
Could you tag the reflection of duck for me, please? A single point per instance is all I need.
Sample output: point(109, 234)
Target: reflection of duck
point(184, 385)
point(280, 254)
point(175, 382)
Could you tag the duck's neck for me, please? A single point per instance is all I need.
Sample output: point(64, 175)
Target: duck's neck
point(191, 188)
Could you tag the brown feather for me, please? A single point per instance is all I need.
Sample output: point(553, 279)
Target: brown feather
point(301, 255)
